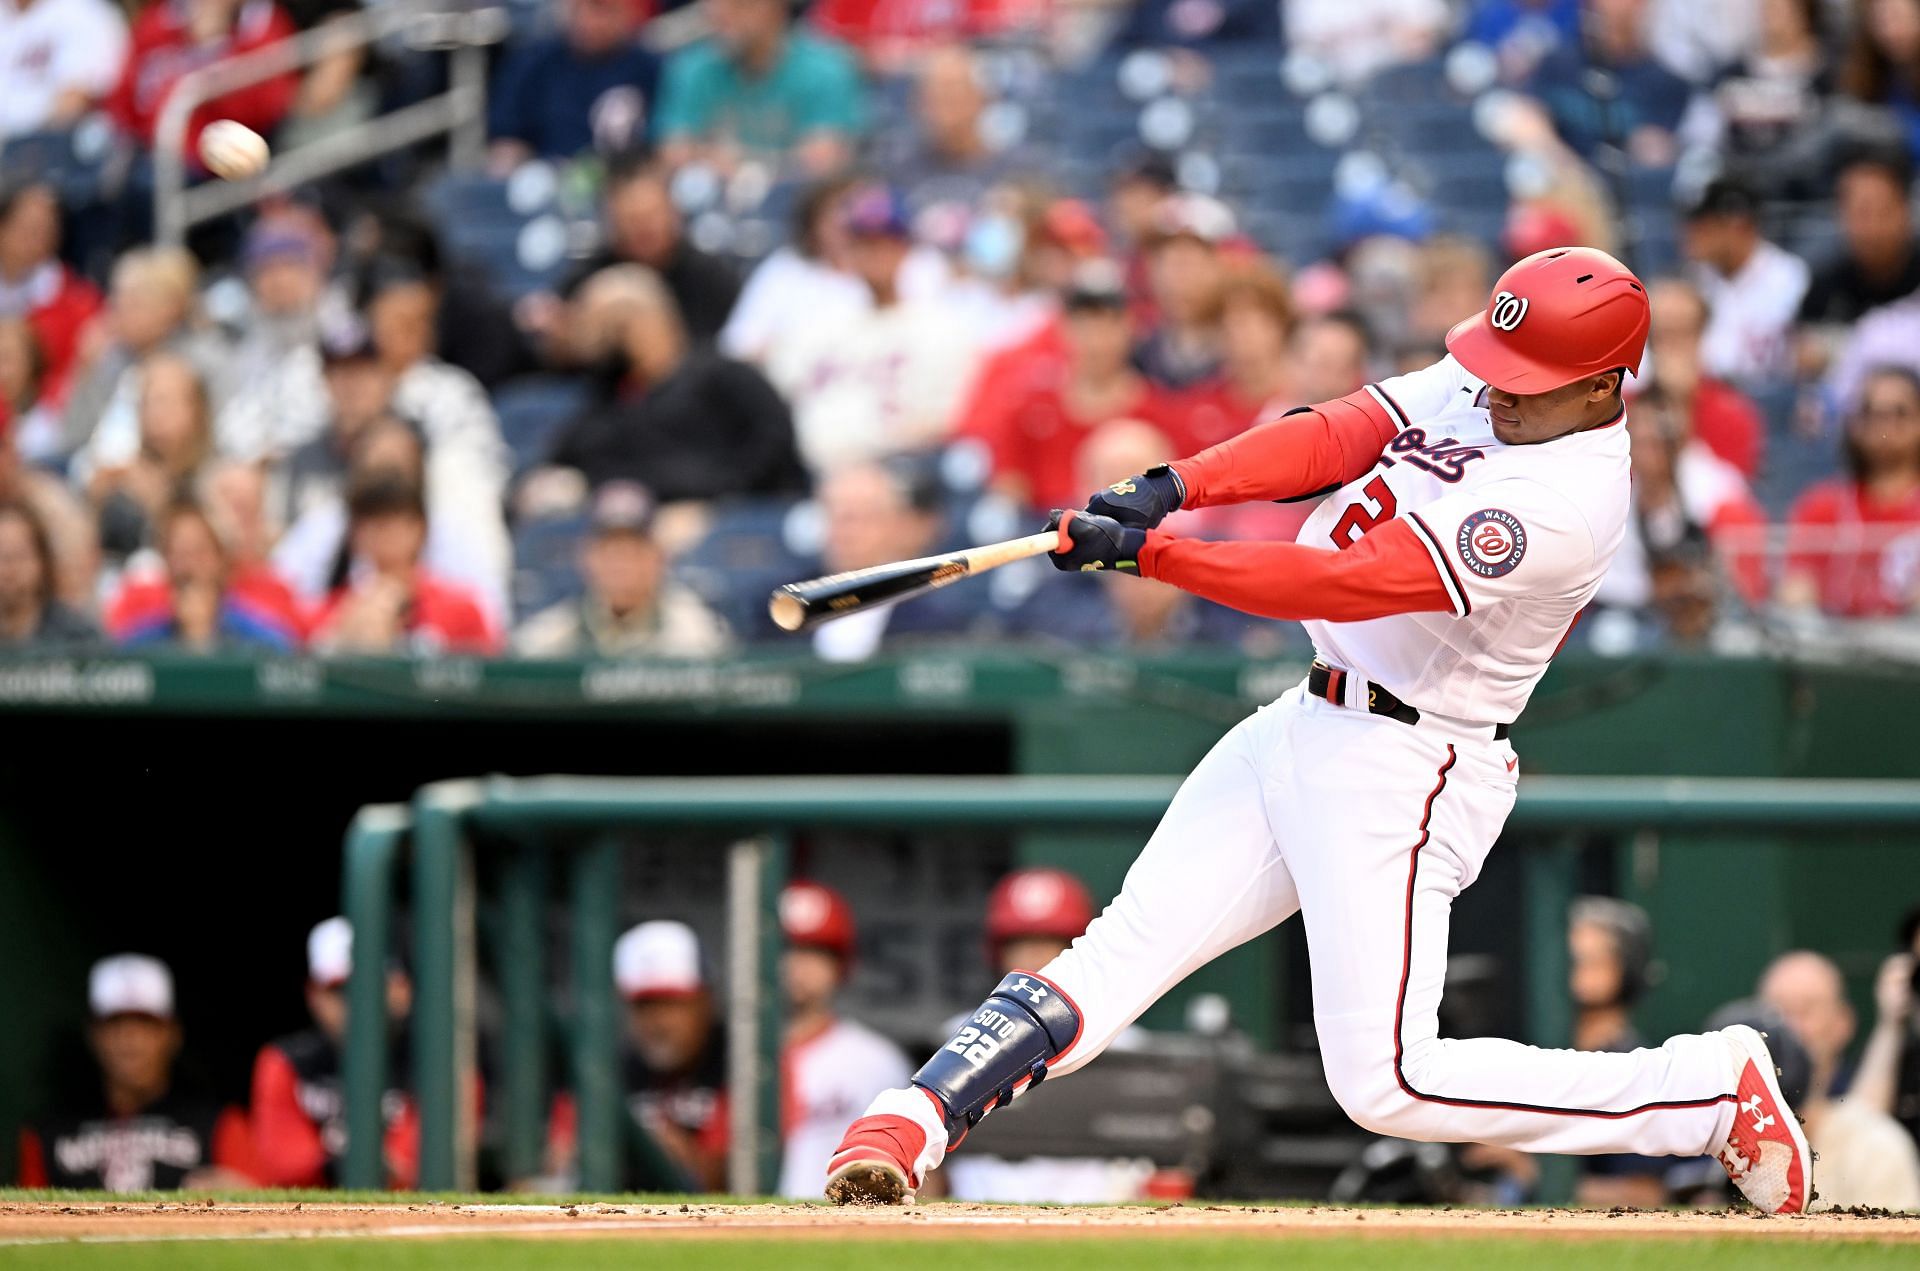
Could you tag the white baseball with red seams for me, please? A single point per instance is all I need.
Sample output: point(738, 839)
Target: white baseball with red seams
point(1369, 826)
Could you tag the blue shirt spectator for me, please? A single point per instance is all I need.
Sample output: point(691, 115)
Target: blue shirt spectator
point(759, 88)
point(589, 87)
point(1608, 89)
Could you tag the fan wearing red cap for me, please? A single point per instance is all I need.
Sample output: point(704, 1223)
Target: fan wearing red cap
point(1468, 513)
point(830, 1066)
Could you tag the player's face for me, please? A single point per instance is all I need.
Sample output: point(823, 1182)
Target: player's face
point(809, 976)
point(1527, 419)
point(1593, 971)
point(136, 1051)
point(669, 1032)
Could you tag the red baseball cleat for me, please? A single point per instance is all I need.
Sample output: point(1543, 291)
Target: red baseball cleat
point(1766, 1154)
point(874, 1164)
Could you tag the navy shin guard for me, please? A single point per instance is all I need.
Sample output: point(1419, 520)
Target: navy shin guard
point(1010, 1039)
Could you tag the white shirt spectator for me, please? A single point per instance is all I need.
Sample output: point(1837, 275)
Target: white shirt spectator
point(1751, 316)
point(280, 407)
point(50, 47)
point(788, 291)
point(874, 384)
point(830, 1078)
point(1355, 38)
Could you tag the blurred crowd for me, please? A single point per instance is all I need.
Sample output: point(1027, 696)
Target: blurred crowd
point(748, 291)
point(143, 1124)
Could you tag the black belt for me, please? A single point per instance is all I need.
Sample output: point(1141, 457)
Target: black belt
point(1329, 683)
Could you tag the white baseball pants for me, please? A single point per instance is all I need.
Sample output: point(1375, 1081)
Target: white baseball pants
point(1369, 827)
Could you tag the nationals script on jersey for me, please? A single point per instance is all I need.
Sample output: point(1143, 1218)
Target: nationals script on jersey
point(1521, 536)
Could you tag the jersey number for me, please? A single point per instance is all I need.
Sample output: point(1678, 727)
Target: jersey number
point(1359, 518)
point(974, 1046)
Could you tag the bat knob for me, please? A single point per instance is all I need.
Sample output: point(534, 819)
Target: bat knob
point(787, 610)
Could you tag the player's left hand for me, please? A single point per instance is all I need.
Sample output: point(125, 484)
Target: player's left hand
point(1140, 502)
point(1095, 542)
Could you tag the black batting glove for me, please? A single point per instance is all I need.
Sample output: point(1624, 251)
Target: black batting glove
point(1095, 542)
point(1140, 502)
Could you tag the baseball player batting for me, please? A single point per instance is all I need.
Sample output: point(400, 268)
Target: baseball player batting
point(1472, 509)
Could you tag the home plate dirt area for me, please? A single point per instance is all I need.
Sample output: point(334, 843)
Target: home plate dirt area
point(36, 1223)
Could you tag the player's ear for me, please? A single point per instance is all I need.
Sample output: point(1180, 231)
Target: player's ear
point(1604, 386)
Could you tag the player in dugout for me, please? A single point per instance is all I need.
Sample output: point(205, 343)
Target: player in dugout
point(299, 1105)
point(830, 1066)
point(143, 1129)
point(1470, 510)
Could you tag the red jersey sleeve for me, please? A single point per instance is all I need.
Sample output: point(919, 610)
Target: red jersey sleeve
point(1305, 453)
point(286, 1143)
point(33, 1159)
point(1388, 571)
point(233, 1143)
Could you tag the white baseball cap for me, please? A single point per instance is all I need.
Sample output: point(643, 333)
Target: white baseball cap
point(658, 959)
point(330, 953)
point(130, 984)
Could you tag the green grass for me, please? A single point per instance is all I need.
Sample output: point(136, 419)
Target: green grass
point(1211, 1253)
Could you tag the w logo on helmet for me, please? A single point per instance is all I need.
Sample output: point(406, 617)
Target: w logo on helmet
point(1508, 311)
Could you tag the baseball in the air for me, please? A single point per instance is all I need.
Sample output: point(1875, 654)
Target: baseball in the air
point(232, 151)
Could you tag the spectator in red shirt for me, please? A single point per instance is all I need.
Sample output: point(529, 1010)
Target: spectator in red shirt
point(1720, 415)
point(1034, 430)
point(390, 604)
point(1256, 316)
point(1854, 549)
point(299, 1108)
point(36, 286)
point(173, 37)
point(198, 599)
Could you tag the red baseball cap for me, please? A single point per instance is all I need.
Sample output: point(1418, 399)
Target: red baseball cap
point(1556, 317)
point(1038, 902)
point(815, 916)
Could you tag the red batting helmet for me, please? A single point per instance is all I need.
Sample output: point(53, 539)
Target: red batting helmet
point(815, 916)
point(1037, 902)
point(1556, 317)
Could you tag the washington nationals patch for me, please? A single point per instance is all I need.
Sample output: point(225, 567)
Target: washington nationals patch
point(1492, 542)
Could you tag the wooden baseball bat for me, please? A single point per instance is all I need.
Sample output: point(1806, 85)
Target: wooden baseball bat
point(798, 606)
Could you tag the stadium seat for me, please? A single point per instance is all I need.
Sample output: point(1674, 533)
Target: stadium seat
point(532, 411)
point(742, 558)
point(545, 571)
point(57, 158)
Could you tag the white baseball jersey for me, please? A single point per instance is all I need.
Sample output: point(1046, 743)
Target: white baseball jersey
point(827, 1081)
point(1521, 536)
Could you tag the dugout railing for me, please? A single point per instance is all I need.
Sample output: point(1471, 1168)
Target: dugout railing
point(537, 821)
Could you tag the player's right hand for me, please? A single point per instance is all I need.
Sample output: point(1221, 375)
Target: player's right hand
point(1140, 502)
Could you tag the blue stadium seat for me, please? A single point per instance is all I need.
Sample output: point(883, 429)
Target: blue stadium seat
point(545, 568)
point(54, 158)
point(532, 411)
point(1412, 84)
point(743, 557)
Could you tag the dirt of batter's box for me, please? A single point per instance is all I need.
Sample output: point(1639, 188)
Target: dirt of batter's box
point(24, 1222)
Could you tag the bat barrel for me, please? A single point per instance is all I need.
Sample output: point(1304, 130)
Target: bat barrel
point(798, 606)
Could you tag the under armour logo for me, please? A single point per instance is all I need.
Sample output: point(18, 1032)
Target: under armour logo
point(1033, 991)
point(1508, 310)
point(1761, 1121)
